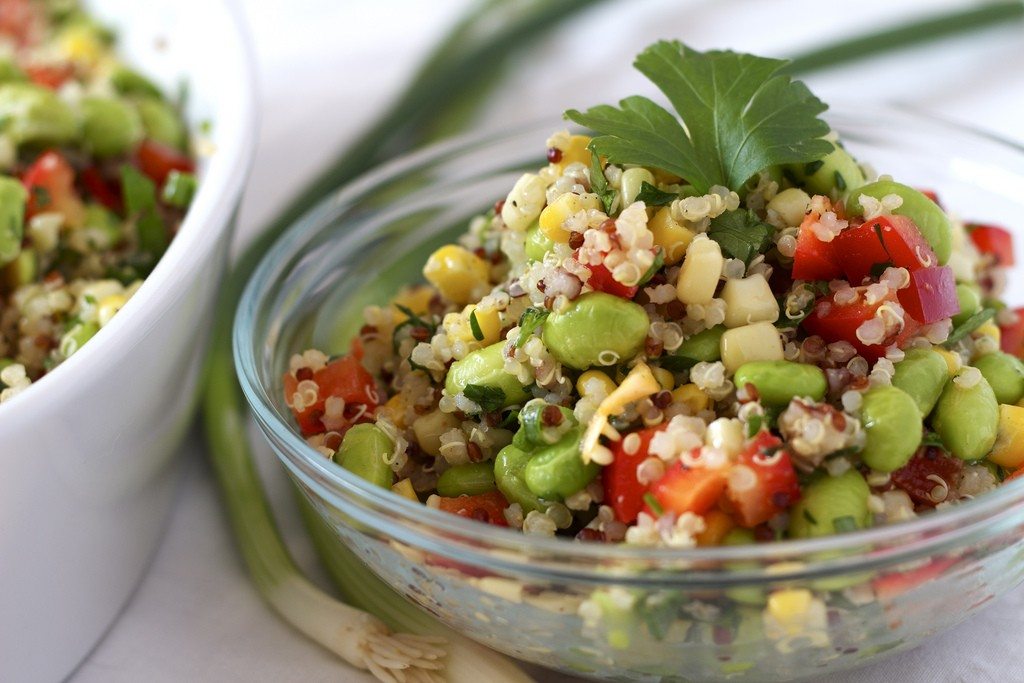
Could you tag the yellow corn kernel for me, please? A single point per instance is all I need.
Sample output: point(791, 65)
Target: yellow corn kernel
point(665, 378)
point(989, 329)
point(108, 306)
point(394, 411)
point(488, 321)
point(673, 237)
point(460, 275)
point(953, 361)
point(404, 488)
point(79, 44)
point(587, 377)
point(575, 152)
point(749, 300)
point(757, 341)
point(556, 213)
point(716, 525)
point(790, 607)
point(700, 272)
point(1009, 449)
point(692, 396)
point(665, 178)
point(416, 298)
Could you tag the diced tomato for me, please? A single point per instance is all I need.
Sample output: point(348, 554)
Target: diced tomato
point(106, 193)
point(774, 488)
point(928, 462)
point(157, 161)
point(833, 322)
point(601, 280)
point(892, 586)
point(931, 295)
point(1011, 337)
point(50, 76)
point(884, 240)
point(21, 20)
point(682, 489)
point(344, 378)
point(814, 259)
point(991, 239)
point(50, 182)
point(484, 507)
point(622, 490)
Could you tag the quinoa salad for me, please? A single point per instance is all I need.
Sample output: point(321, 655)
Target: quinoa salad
point(671, 336)
point(95, 179)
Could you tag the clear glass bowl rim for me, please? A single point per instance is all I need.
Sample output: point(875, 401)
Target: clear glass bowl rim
point(942, 529)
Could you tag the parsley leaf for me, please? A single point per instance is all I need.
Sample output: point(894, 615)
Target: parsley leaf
point(474, 326)
point(531, 319)
point(739, 116)
point(741, 234)
point(659, 261)
point(489, 399)
point(599, 184)
point(652, 196)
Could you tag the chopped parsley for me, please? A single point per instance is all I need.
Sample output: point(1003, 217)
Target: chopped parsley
point(474, 325)
point(659, 261)
point(652, 196)
point(490, 399)
point(741, 234)
point(968, 326)
point(599, 184)
point(531, 319)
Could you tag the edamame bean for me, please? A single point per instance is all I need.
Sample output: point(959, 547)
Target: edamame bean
point(831, 505)
point(931, 220)
point(12, 218)
point(109, 126)
point(558, 471)
point(485, 367)
point(597, 329)
point(76, 337)
point(508, 477)
point(537, 425)
point(363, 452)
point(1005, 374)
point(129, 82)
point(967, 418)
point(922, 374)
point(970, 302)
point(470, 479)
point(11, 72)
point(161, 122)
point(32, 113)
point(892, 425)
point(780, 381)
point(705, 346)
point(21, 271)
point(537, 243)
point(837, 171)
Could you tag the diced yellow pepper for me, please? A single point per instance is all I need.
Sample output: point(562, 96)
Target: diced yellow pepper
point(404, 488)
point(953, 361)
point(665, 378)
point(789, 607)
point(575, 152)
point(692, 396)
point(587, 377)
point(416, 298)
point(673, 237)
point(460, 275)
point(716, 525)
point(1009, 449)
point(556, 213)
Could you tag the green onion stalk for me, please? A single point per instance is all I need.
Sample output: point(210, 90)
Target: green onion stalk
point(379, 630)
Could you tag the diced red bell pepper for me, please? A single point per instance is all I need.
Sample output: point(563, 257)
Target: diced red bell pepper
point(601, 280)
point(991, 239)
point(1011, 337)
point(834, 323)
point(927, 462)
point(682, 489)
point(931, 295)
point(891, 240)
point(1019, 474)
point(622, 490)
point(50, 76)
point(894, 585)
point(106, 193)
point(483, 507)
point(345, 378)
point(50, 182)
point(814, 259)
point(157, 161)
point(774, 487)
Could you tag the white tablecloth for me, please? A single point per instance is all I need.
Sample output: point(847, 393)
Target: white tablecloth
point(325, 69)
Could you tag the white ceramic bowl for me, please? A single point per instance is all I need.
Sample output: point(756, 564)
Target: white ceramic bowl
point(86, 456)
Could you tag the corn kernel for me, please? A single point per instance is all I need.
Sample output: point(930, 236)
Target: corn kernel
point(665, 378)
point(790, 607)
point(716, 525)
point(394, 411)
point(692, 397)
point(108, 306)
point(460, 275)
point(633, 180)
point(575, 152)
point(488, 321)
point(700, 272)
point(404, 488)
point(1009, 449)
point(606, 382)
point(758, 341)
point(80, 45)
point(416, 299)
point(672, 236)
point(953, 361)
point(556, 213)
point(749, 300)
point(989, 329)
point(524, 202)
point(429, 428)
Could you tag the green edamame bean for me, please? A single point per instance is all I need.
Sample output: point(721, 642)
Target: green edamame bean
point(780, 381)
point(179, 188)
point(109, 126)
point(533, 424)
point(1005, 374)
point(537, 243)
point(837, 171)
point(363, 452)
point(21, 271)
point(922, 374)
point(557, 471)
point(33, 114)
point(12, 218)
point(104, 227)
point(892, 425)
point(470, 479)
point(967, 419)
point(970, 302)
point(705, 346)
point(485, 367)
point(597, 329)
point(76, 337)
point(11, 72)
point(831, 505)
point(931, 220)
point(161, 122)
point(129, 82)
point(508, 477)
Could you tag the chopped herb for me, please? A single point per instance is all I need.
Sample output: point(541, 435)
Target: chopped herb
point(813, 167)
point(652, 196)
point(754, 426)
point(474, 325)
point(809, 517)
point(140, 204)
point(531, 319)
point(674, 363)
point(510, 419)
point(489, 399)
point(739, 114)
point(840, 181)
point(844, 524)
point(741, 234)
point(599, 183)
point(411, 320)
point(659, 261)
point(968, 326)
point(653, 503)
point(933, 440)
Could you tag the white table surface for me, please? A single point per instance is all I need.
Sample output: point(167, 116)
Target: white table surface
point(325, 69)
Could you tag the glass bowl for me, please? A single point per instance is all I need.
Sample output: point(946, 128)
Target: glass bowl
point(788, 610)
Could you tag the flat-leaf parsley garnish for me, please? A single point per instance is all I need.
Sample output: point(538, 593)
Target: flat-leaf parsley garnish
point(739, 116)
